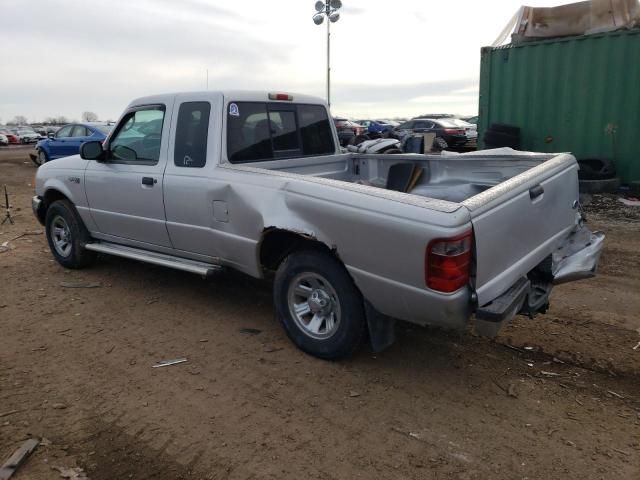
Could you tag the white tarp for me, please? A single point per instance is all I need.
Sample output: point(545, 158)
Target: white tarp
point(581, 18)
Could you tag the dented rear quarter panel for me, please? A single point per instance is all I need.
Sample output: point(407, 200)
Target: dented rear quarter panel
point(382, 242)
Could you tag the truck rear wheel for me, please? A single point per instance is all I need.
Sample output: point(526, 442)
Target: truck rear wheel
point(318, 304)
point(67, 235)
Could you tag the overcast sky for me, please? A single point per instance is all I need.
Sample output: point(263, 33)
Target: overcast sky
point(389, 58)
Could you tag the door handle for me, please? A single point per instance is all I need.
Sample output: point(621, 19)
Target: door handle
point(149, 181)
point(535, 192)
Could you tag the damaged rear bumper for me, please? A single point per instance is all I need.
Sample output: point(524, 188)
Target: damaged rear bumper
point(576, 259)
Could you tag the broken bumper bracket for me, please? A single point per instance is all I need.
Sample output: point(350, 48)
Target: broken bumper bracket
point(492, 317)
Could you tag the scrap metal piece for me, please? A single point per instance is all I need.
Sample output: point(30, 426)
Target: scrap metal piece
point(19, 456)
point(166, 363)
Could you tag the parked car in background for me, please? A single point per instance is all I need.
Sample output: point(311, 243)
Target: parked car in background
point(11, 137)
point(393, 123)
point(67, 140)
point(473, 119)
point(470, 129)
point(348, 130)
point(375, 127)
point(4, 141)
point(448, 134)
point(26, 134)
point(434, 115)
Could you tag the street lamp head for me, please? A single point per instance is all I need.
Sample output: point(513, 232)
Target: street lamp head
point(318, 18)
point(335, 4)
point(334, 17)
point(320, 6)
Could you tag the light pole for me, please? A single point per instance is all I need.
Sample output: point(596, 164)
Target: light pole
point(329, 9)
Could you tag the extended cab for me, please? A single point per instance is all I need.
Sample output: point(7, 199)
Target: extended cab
point(257, 182)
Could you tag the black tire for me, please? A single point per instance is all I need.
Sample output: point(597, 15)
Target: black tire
point(62, 215)
point(332, 285)
point(508, 129)
point(499, 139)
point(440, 143)
point(393, 150)
point(596, 169)
point(609, 185)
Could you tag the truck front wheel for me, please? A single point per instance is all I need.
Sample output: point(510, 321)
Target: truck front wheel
point(318, 304)
point(67, 235)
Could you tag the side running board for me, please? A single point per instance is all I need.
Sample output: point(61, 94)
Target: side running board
point(187, 265)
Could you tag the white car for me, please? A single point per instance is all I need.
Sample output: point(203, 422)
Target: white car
point(26, 134)
point(4, 140)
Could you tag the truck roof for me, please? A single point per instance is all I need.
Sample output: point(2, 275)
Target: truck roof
point(235, 95)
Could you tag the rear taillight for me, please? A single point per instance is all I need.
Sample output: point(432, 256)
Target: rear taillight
point(453, 131)
point(447, 263)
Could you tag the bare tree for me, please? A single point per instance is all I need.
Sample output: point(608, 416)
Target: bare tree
point(61, 120)
point(18, 120)
point(89, 117)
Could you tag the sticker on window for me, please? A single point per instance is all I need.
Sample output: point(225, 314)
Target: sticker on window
point(233, 110)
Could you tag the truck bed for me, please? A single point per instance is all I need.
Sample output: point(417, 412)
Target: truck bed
point(453, 178)
point(521, 206)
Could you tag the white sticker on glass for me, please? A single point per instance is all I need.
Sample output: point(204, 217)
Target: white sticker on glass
point(233, 110)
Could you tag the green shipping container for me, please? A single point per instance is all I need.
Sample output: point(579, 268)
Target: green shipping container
point(576, 94)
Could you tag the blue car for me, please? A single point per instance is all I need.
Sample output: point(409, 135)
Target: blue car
point(375, 127)
point(67, 140)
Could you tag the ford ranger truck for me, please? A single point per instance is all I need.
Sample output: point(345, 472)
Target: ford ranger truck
point(257, 182)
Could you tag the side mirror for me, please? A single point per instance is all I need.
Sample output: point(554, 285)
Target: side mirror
point(51, 134)
point(92, 151)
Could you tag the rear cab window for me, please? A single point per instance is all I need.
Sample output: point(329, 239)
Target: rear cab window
point(258, 131)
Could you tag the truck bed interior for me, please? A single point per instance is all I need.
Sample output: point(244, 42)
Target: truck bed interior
point(454, 178)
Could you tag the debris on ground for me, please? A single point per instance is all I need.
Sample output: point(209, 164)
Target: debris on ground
point(166, 363)
point(270, 349)
point(353, 393)
point(80, 285)
point(611, 392)
point(630, 202)
point(250, 331)
point(608, 206)
point(75, 473)
point(19, 456)
point(10, 412)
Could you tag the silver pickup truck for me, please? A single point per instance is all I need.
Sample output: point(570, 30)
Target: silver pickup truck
point(257, 182)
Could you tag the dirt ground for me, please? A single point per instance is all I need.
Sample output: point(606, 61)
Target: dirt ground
point(553, 397)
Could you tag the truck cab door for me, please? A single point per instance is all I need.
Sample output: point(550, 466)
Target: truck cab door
point(125, 190)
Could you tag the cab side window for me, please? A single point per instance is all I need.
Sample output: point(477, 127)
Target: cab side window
point(138, 137)
point(191, 135)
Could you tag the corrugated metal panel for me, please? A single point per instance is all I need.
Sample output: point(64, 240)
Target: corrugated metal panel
point(579, 95)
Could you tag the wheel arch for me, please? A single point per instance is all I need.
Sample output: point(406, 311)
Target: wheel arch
point(276, 243)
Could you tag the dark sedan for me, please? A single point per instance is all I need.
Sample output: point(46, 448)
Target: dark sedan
point(448, 134)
